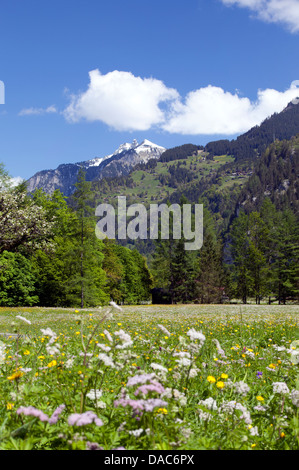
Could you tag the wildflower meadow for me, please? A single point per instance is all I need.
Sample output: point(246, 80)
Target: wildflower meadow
point(172, 378)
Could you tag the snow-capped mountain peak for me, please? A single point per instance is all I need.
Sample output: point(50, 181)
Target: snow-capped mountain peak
point(121, 162)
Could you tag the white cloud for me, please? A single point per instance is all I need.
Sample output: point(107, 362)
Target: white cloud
point(121, 100)
point(273, 11)
point(37, 111)
point(128, 103)
point(211, 110)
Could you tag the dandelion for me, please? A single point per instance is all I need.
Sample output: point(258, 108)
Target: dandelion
point(211, 379)
point(260, 398)
point(16, 375)
point(224, 376)
point(52, 364)
point(220, 384)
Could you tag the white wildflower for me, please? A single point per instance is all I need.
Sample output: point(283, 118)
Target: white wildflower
point(69, 363)
point(193, 334)
point(136, 432)
point(254, 431)
point(295, 397)
point(108, 336)
point(241, 388)
point(182, 354)
point(158, 367)
point(94, 394)
point(104, 347)
point(124, 345)
point(204, 415)
point(250, 354)
point(260, 408)
point(280, 387)
point(106, 359)
point(209, 403)
point(114, 305)
point(219, 348)
point(165, 331)
point(167, 393)
point(123, 336)
point(23, 319)
point(2, 352)
point(193, 373)
point(48, 332)
point(53, 350)
point(184, 362)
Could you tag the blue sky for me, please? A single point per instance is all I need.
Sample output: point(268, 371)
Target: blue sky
point(83, 77)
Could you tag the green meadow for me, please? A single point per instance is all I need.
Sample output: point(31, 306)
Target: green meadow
point(150, 377)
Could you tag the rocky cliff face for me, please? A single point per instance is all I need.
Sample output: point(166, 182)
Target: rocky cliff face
point(119, 163)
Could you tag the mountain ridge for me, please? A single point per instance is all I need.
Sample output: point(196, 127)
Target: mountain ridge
point(120, 162)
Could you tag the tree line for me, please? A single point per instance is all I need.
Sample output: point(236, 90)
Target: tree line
point(50, 255)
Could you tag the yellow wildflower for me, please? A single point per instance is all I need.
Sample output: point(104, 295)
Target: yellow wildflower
point(16, 375)
point(211, 379)
point(52, 363)
point(220, 384)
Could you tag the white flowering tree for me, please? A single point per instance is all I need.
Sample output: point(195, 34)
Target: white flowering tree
point(22, 222)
